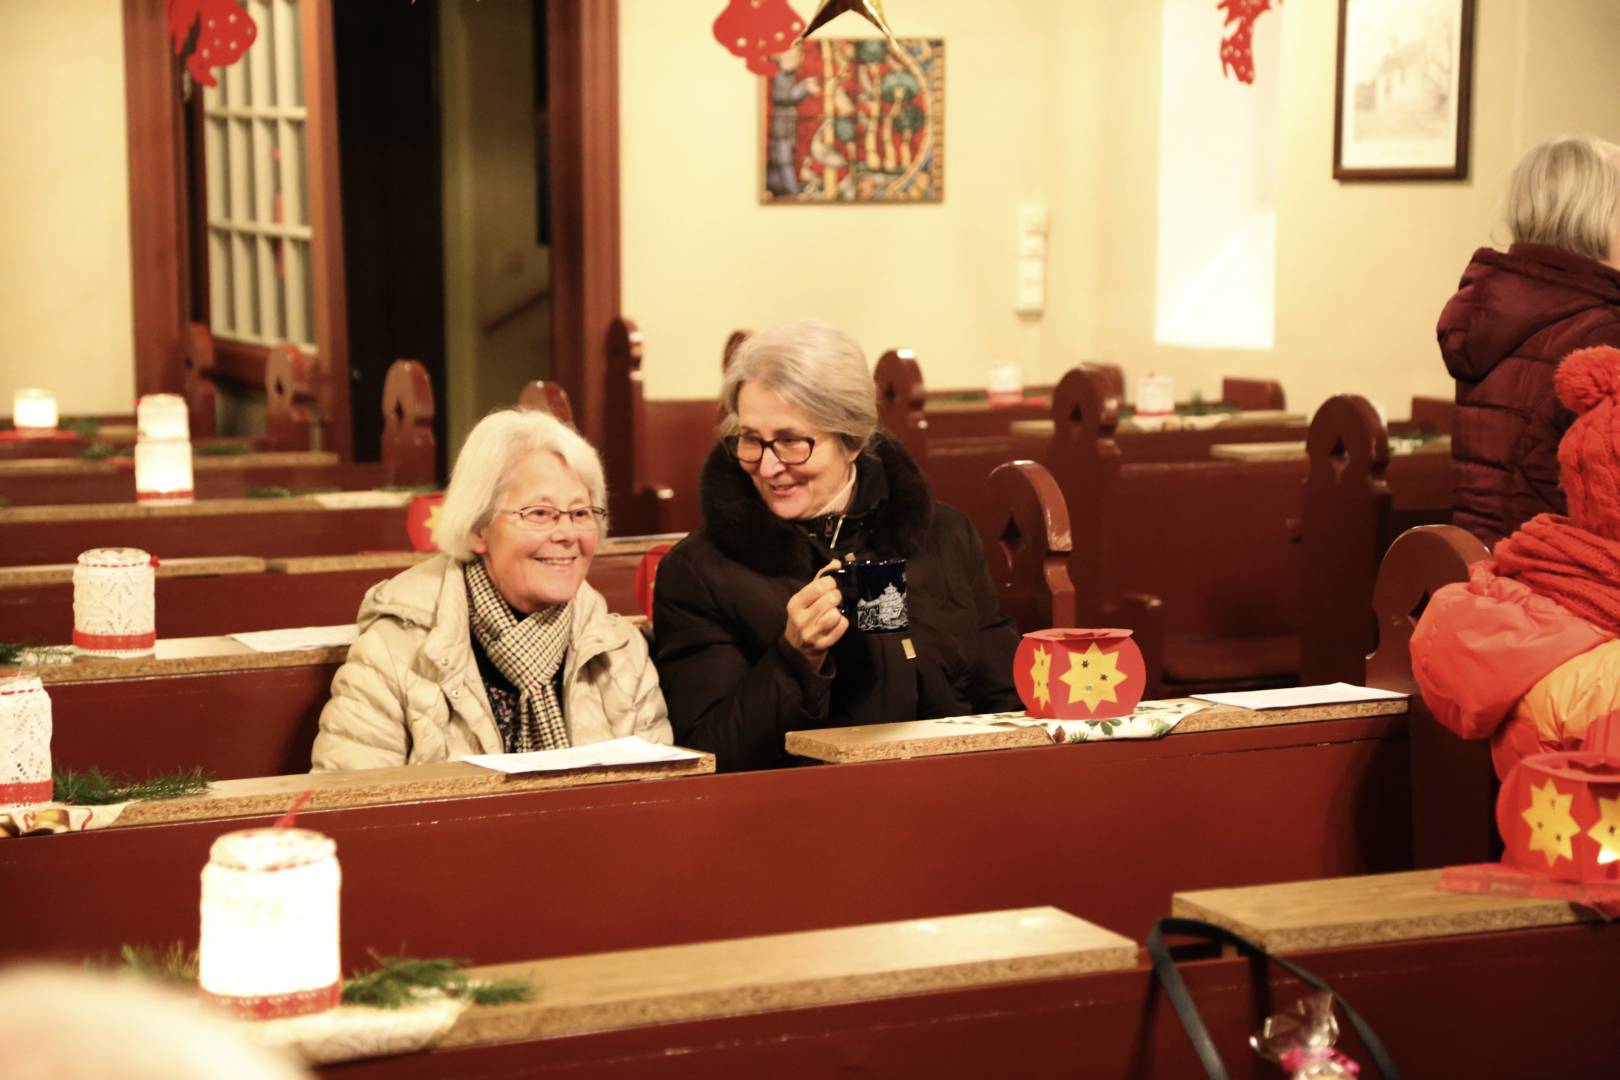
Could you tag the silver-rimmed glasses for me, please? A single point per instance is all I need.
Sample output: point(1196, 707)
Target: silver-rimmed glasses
point(543, 518)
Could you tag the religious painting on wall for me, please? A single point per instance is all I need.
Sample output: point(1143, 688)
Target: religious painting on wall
point(1404, 77)
point(854, 121)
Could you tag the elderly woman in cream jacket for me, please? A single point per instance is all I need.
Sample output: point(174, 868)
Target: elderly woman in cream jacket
point(497, 644)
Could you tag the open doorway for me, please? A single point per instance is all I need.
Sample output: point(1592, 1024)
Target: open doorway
point(439, 110)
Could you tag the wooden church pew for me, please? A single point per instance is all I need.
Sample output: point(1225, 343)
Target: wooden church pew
point(1493, 986)
point(36, 604)
point(408, 460)
point(656, 446)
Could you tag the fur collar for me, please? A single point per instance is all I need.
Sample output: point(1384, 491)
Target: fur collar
point(892, 506)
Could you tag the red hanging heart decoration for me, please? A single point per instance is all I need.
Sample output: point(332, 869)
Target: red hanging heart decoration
point(756, 30)
point(1237, 49)
point(209, 34)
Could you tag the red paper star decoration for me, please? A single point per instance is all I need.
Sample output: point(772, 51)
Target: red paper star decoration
point(1237, 48)
point(209, 34)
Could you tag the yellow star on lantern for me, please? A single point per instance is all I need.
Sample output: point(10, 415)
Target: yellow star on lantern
point(1607, 832)
point(1093, 676)
point(1551, 826)
point(433, 517)
point(1039, 670)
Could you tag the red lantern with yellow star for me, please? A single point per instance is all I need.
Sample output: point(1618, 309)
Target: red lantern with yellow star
point(1559, 816)
point(1078, 674)
point(420, 518)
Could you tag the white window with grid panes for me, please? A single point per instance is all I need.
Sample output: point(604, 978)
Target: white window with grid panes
point(258, 188)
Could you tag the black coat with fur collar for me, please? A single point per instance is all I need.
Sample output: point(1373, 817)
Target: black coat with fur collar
point(734, 686)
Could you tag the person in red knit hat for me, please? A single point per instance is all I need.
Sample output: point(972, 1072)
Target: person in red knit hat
point(1527, 651)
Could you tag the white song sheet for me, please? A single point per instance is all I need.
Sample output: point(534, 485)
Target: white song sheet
point(630, 750)
point(1300, 697)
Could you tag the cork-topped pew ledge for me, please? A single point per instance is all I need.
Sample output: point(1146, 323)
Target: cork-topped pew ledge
point(927, 738)
point(1334, 913)
point(196, 656)
point(381, 787)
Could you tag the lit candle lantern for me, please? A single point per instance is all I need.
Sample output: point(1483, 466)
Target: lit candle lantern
point(33, 411)
point(114, 602)
point(25, 741)
point(1155, 395)
point(163, 471)
point(162, 416)
point(269, 944)
point(1006, 384)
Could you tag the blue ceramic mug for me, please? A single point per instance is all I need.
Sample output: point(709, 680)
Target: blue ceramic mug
point(873, 594)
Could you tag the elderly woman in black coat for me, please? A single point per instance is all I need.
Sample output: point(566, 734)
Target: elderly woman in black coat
point(751, 643)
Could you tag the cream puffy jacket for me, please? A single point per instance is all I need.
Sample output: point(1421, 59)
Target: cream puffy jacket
point(410, 692)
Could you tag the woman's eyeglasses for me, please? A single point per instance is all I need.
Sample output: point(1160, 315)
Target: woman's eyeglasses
point(543, 518)
point(789, 449)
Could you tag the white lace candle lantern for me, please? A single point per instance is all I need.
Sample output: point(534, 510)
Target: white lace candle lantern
point(269, 945)
point(115, 602)
point(25, 741)
point(1155, 395)
point(1006, 384)
point(162, 416)
point(163, 471)
point(33, 411)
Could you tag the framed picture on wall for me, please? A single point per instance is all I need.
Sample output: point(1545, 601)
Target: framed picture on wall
point(854, 121)
point(1404, 80)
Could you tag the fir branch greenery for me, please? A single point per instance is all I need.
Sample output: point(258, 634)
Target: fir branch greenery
point(171, 963)
point(221, 449)
point(268, 491)
point(411, 489)
point(96, 788)
point(15, 653)
point(398, 981)
point(96, 452)
point(86, 427)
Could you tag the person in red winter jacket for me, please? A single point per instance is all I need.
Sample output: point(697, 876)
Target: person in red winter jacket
point(1527, 651)
point(1515, 315)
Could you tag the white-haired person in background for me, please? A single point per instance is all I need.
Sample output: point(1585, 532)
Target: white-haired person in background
point(71, 1024)
point(1517, 314)
point(498, 644)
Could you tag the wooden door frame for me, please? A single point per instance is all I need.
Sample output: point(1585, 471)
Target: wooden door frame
point(161, 222)
point(583, 91)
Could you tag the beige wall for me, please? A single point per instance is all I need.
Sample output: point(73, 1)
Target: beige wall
point(1057, 101)
point(493, 264)
point(65, 321)
point(702, 257)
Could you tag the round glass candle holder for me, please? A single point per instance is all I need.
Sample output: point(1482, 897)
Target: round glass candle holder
point(162, 416)
point(33, 411)
point(269, 944)
point(163, 471)
point(115, 603)
point(25, 741)
point(1155, 395)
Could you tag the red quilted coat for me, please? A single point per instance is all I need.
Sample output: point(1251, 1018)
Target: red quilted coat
point(1515, 316)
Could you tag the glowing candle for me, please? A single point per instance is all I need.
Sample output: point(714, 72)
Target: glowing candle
point(162, 416)
point(163, 471)
point(1155, 395)
point(25, 741)
point(33, 411)
point(1006, 385)
point(269, 945)
point(114, 602)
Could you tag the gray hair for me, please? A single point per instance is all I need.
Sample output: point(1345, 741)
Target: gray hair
point(817, 368)
point(492, 450)
point(1566, 193)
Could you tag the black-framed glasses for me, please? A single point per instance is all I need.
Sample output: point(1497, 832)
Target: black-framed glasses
point(789, 449)
point(543, 518)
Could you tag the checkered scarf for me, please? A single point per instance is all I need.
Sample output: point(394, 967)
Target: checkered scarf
point(528, 651)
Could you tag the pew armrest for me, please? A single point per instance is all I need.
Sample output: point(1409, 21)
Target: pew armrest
point(1143, 615)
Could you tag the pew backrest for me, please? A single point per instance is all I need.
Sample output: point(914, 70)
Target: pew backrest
point(547, 397)
point(901, 397)
point(408, 446)
point(1029, 557)
point(289, 389)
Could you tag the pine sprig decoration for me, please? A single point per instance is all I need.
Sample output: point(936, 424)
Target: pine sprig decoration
point(399, 980)
point(96, 788)
point(171, 963)
point(15, 653)
point(96, 452)
point(221, 449)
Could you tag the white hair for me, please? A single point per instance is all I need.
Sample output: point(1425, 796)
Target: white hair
point(817, 368)
point(62, 1024)
point(492, 450)
point(1566, 193)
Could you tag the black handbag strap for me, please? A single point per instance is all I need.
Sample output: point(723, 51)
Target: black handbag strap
point(1193, 1024)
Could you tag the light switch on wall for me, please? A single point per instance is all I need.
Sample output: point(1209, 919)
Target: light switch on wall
point(1029, 290)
